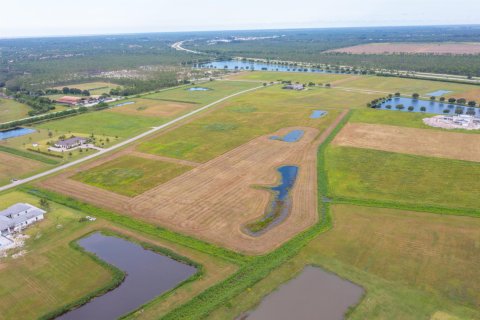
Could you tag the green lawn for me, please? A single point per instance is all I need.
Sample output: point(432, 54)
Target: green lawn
point(398, 118)
point(103, 123)
point(130, 175)
point(51, 273)
point(248, 116)
point(407, 86)
point(11, 110)
point(94, 87)
point(411, 265)
point(290, 76)
point(384, 176)
point(218, 90)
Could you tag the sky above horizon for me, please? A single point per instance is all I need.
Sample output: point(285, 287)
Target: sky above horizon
point(55, 17)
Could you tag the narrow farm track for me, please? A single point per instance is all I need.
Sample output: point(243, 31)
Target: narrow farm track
point(124, 143)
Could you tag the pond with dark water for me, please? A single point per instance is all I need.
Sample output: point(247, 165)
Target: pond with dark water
point(148, 275)
point(292, 136)
point(281, 204)
point(435, 107)
point(314, 294)
point(15, 132)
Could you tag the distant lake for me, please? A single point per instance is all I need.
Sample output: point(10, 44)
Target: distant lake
point(15, 132)
point(148, 275)
point(435, 107)
point(259, 66)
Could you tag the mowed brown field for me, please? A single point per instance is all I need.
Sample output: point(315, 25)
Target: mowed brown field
point(433, 48)
point(153, 108)
point(214, 200)
point(471, 95)
point(424, 142)
point(14, 167)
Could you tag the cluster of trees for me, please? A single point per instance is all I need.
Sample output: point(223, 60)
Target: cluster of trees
point(135, 86)
point(38, 103)
point(44, 117)
point(67, 90)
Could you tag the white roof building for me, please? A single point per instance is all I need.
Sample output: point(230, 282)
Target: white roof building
point(18, 217)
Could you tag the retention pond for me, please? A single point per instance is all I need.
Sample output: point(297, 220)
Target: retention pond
point(281, 204)
point(292, 136)
point(263, 66)
point(314, 294)
point(15, 132)
point(436, 107)
point(148, 275)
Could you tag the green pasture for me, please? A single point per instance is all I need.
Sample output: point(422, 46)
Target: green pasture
point(12, 110)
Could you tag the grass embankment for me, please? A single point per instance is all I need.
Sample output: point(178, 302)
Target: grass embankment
point(218, 90)
point(28, 155)
point(301, 77)
point(412, 181)
point(130, 175)
point(399, 118)
point(248, 116)
point(12, 110)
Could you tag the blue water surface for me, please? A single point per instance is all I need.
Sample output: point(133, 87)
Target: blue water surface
point(317, 114)
point(292, 136)
point(198, 89)
point(259, 66)
point(124, 103)
point(16, 132)
point(438, 93)
point(435, 107)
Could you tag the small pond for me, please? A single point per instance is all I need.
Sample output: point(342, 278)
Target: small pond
point(292, 136)
point(149, 274)
point(436, 107)
point(125, 103)
point(263, 66)
point(314, 294)
point(15, 132)
point(198, 89)
point(438, 93)
point(317, 114)
point(280, 205)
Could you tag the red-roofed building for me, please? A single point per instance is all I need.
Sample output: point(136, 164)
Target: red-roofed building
point(69, 100)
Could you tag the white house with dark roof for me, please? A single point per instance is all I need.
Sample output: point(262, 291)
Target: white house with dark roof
point(70, 143)
point(19, 216)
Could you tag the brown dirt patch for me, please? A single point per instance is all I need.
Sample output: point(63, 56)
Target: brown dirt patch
point(469, 95)
point(414, 48)
point(214, 200)
point(422, 142)
point(14, 167)
point(154, 108)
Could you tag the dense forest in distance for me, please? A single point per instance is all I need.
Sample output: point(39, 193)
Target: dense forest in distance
point(309, 45)
point(36, 63)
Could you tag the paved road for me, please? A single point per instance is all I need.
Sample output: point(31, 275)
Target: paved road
point(121, 144)
point(178, 46)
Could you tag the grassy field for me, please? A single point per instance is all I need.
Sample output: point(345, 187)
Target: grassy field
point(103, 123)
point(11, 110)
point(407, 274)
point(289, 76)
point(55, 272)
point(398, 118)
point(218, 90)
point(130, 175)
point(153, 108)
point(407, 86)
point(248, 116)
point(94, 87)
point(15, 167)
point(378, 175)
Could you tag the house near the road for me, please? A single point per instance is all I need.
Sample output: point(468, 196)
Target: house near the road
point(18, 217)
point(70, 143)
point(69, 100)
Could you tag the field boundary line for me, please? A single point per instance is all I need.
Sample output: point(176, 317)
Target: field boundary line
point(126, 142)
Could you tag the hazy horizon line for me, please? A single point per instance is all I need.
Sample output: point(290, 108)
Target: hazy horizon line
point(232, 30)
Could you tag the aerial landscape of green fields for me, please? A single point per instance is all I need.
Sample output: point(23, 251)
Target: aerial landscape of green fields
point(286, 169)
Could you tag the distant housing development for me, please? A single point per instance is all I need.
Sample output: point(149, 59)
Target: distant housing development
point(70, 143)
point(19, 216)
